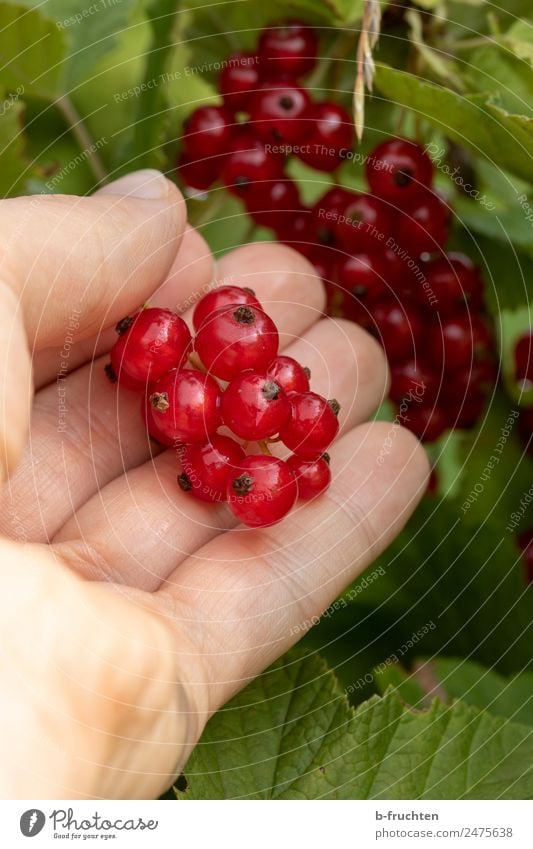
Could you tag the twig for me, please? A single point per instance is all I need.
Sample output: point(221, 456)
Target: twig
point(80, 131)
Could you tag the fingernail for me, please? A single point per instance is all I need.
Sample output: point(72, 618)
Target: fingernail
point(148, 184)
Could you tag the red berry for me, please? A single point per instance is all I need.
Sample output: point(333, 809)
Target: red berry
point(313, 425)
point(206, 469)
point(279, 111)
point(271, 203)
point(208, 131)
point(312, 476)
point(399, 170)
point(411, 380)
point(454, 281)
point(329, 139)
point(288, 48)
point(363, 276)
point(223, 296)
point(263, 492)
point(296, 232)
point(154, 432)
point(326, 212)
point(199, 174)
point(425, 421)
point(238, 81)
point(399, 328)
point(289, 374)
point(525, 541)
point(423, 228)
point(247, 165)
point(469, 383)
point(525, 429)
point(458, 342)
point(523, 357)
point(186, 405)
point(237, 338)
point(364, 224)
point(254, 407)
point(464, 412)
point(150, 343)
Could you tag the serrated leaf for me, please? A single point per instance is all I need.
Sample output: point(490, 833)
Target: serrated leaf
point(32, 52)
point(292, 735)
point(473, 121)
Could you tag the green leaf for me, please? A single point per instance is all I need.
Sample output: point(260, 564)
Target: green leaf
point(507, 78)
point(12, 143)
point(473, 121)
point(508, 225)
point(32, 52)
point(292, 735)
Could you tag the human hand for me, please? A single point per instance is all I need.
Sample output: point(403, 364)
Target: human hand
point(130, 612)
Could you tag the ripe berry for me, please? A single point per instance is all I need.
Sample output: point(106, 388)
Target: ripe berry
point(326, 212)
point(206, 469)
point(364, 223)
point(186, 405)
point(454, 281)
point(199, 174)
point(425, 421)
point(399, 328)
point(223, 296)
point(312, 476)
point(289, 374)
point(247, 165)
point(329, 139)
point(278, 113)
point(411, 380)
point(424, 227)
point(271, 203)
point(399, 170)
point(154, 432)
point(264, 491)
point(364, 276)
point(296, 232)
point(288, 48)
point(254, 407)
point(237, 338)
point(313, 425)
point(523, 357)
point(150, 343)
point(238, 81)
point(458, 341)
point(525, 429)
point(208, 131)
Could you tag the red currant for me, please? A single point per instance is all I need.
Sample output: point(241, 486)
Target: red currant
point(223, 296)
point(425, 421)
point(150, 343)
point(273, 202)
point(199, 174)
point(254, 407)
point(186, 405)
point(296, 232)
point(206, 469)
point(238, 81)
point(288, 48)
point(313, 425)
point(525, 541)
point(364, 224)
point(264, 491)
point(399, 328)
point(279, 111)
point(154, 432)
point(523, 357)
point(247, 165)
point(326, 212)
point(398, 170)
point(364, 276)
point(411, 379)
point(289, 374)
point(330, 137)
point(423, 228)
point(237, 338)
point(208, 131)
point(458, 342)
point(525, 429)
point(312, 476)
point(454, 281)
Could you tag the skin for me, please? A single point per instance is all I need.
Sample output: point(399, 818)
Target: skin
point(129, 612)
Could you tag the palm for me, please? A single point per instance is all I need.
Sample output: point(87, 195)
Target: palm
point(92, 487)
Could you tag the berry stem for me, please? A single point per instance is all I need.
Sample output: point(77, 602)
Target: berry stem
point(196, 362)
point(82, 135)
point(263, 445)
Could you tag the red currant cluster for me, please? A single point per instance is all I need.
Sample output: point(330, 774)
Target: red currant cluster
point(379, 253)
point(265, 398)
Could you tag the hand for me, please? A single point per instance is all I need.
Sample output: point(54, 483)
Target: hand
point(130, 612)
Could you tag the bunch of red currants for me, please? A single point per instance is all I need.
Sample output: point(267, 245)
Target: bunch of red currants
point(380, 253)
point(265, 398)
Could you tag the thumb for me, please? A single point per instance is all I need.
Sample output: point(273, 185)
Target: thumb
point(95, 257)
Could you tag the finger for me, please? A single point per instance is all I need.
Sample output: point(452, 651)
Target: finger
point(190, 273)
point(249, 595)
point(147, 526)
point(85, 432)
point(69, 266)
